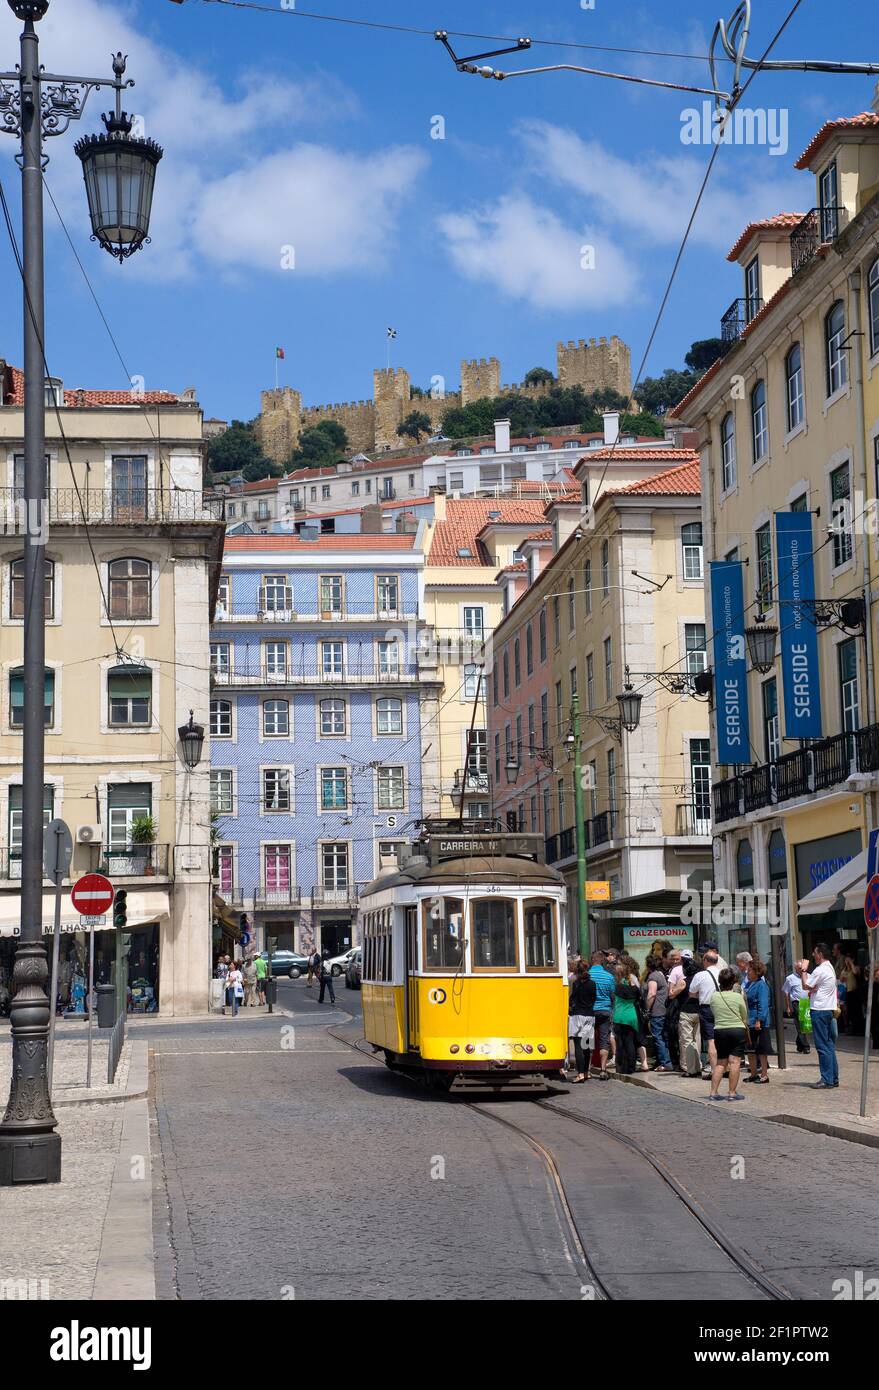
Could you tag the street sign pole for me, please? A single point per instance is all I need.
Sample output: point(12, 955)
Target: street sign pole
point(871, 916)
point(88, 1065)
point(57, 852)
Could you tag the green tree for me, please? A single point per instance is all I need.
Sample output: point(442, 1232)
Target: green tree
point(415, 425)
point(238, 450)
point(703, 354)
point(537, 375)
point(320, 446)
point(659, 394)
point(642, 424)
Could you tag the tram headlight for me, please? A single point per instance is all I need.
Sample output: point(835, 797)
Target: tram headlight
point(471, 1047)
point(454, 1048)
point(528, 1048)
point(540, 1047)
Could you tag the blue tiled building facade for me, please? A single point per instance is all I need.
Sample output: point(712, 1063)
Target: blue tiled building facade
point(316, 726)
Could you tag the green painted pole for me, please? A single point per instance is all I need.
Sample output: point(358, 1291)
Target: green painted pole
point(582, 905)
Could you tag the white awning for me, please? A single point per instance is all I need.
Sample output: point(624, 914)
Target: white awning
point(842, 891)
point(142, 908)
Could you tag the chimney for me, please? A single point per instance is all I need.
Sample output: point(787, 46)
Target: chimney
point(439, 506)
point(502, 436)
point(371, 520)
point(611, 426)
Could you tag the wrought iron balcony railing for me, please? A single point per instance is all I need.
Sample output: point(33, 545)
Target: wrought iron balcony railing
point(289, 896)
point(346, 896)
point(281, 605)
point(737, 317)
point(130, 861)
point(818, 228)
point(109, 507)
point(308, 674)
point(692, 818)
point(827, 763)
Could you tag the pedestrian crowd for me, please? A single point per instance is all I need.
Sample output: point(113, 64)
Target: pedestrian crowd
point(244, 982)
point(703, 1016)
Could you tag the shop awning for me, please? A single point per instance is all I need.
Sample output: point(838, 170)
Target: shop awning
point(142, 908)
point(841, 892)
point(661, 902)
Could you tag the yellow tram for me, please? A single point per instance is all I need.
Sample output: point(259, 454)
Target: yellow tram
point(464, 960)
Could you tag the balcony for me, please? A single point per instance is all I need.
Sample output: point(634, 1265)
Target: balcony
point(477, 783)
point(736, 319)
point(309, 674)
point(282, 606)
point(818, 228)
point(327, 897)
point(806, 771)
point(132, 861)
point(267, 898)
point(692, 818)
point(110, 507)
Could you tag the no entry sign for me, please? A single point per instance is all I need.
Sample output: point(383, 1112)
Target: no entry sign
point(871, 903)
point(92, 895)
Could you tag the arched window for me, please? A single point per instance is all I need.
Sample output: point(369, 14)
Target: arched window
point(130, 588)
point(494, 936)
point(728, 451)
point(16, 698)
point(795, 400)
point(16, 589)
point(759, 422)
point(130, 696)
point(873, 306)
point(834, 334)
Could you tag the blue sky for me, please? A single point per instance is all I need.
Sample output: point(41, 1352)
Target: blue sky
point(285, 132)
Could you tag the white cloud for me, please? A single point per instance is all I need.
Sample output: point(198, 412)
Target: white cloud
point(527, 252)
point(236, 182)
point(652, 197)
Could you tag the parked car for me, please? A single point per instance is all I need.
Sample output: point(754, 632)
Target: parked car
point(353, 970)
point(339, 964)
point(288, 963)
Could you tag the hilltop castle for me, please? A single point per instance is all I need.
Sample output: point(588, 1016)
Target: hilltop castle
point(371, 426)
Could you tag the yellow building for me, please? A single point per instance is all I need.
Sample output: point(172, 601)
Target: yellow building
point(618, 585)
point(470, 539)
point(132, 566)
point(788, 422)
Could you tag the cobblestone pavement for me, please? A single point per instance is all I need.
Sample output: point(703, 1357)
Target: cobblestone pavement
point(289, 1162)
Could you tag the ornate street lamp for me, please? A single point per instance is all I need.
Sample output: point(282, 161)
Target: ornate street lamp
point(35, 105)
point(192, 742)
point(630, 708)
point(761, 640)
point(511, 770)
point(120, 173)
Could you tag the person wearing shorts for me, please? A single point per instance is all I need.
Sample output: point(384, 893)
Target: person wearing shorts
point(581, 1020)
point(703, 986)
point(729, 1019)
point(605, 990)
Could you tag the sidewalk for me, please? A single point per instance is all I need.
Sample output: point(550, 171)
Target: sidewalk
point(789, 1099)
point(89, 1236)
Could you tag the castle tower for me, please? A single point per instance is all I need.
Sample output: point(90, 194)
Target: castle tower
point(279, 423)
point(480, 378)
point(606, 364)
point(392, 394)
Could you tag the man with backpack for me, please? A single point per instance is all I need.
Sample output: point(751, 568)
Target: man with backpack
point(686, 1012)
point(326, 978)
point(313, 966)
point(703, 986)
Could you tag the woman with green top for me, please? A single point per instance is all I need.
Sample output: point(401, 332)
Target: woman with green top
point(730, 1034)
point(626, 1020)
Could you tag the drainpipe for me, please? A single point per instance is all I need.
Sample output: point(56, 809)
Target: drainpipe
point(854, 282)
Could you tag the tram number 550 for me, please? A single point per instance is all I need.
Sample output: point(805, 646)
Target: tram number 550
point(436, 996)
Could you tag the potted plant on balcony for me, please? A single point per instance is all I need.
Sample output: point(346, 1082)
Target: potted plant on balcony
point(143, 835)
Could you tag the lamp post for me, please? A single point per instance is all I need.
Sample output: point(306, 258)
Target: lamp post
point(35, 105)
point(191, 742)
point(583, 933)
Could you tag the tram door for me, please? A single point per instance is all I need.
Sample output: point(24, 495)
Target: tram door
point(410, 939)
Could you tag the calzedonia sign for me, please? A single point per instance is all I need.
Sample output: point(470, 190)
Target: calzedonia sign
point(798, 636)
point(730, 668)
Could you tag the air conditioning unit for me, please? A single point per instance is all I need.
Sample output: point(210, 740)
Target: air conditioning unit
point(88, 834)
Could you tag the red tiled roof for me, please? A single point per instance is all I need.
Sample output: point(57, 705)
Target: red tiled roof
point(866, 120)
point(518, 567)
point(545, 535)
point(300, 474)
point(324, 542)
point(468, 517)
point(648, 454)
point(260, 485)
point(77, 398)
point(685, 480)
point(782, 221)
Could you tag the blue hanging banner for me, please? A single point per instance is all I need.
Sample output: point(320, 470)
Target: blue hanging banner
point(730, 667)
point(798, 635)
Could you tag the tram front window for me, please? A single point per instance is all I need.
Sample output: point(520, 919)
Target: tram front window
point(443, 933)
point(540, 952)
point(494, 934)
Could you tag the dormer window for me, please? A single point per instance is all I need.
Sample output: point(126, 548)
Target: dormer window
point(54, 392)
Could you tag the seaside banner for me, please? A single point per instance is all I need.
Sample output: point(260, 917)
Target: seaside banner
point(730, 667)
point(798, 635)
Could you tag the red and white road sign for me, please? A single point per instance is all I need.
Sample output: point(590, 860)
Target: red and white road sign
point(871, 903)
point(92, 895)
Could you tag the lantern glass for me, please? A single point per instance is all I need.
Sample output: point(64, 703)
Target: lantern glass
point(630, 709)
point(120, 174)
point(512, 770)
point(761, 640)
point(192, 743)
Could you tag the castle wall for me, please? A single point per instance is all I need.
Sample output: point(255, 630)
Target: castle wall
point(606, 363)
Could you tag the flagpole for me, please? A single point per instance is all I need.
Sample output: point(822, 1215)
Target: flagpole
point(276, 369)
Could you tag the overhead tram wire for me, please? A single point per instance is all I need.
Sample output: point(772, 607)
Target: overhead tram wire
point(15, 251)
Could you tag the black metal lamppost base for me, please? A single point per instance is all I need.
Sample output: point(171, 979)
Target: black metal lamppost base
point(30, 1150)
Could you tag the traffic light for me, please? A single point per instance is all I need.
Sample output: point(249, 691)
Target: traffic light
point(125, 943)
point(120, 908)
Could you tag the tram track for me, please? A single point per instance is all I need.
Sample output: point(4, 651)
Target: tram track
point(577, 1242)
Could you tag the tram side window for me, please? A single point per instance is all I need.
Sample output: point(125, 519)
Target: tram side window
point(412, 930)
point(494, 934)
point(443, 933)
point(540, 948)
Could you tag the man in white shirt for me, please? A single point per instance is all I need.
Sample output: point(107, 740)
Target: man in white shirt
point(793, 992)
point(821, 989)
point(702, 986)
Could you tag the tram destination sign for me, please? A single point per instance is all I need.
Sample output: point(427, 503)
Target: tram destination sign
point(464, 846)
